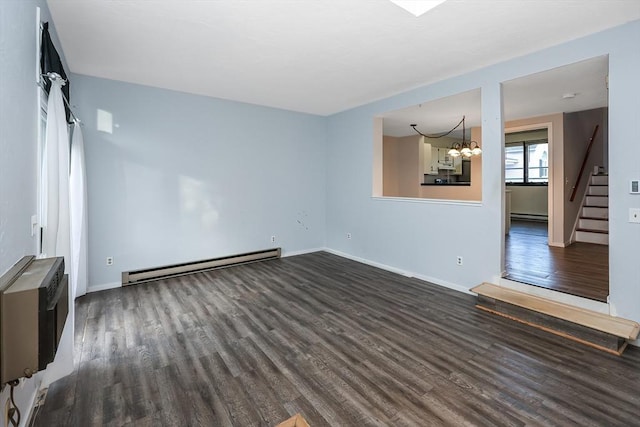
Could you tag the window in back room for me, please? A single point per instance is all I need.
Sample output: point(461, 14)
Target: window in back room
point(526, 157)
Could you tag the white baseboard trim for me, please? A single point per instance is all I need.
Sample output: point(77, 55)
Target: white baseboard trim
point(444, 284)
point(386, 267)
point(103, 287)
point(113, 285)
point(530, 217)
point(301, 252)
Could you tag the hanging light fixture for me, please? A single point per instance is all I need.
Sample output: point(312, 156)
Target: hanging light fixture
point(464, 148)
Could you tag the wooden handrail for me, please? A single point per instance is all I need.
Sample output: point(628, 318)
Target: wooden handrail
point(584, 163)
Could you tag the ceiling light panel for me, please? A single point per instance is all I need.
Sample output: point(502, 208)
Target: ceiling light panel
point(417, 7)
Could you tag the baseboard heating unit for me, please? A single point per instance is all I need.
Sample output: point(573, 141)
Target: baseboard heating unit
point(145, 275)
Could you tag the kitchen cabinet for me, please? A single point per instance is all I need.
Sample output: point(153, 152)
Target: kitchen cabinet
point(457, 166)
point(430, 159)
point(447, 162)
point(437, 159)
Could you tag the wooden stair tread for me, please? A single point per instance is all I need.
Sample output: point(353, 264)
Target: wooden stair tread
point(594, 218)
point(592, 230)
point(617, 326)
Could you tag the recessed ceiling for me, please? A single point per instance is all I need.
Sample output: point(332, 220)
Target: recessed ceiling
point(529, 96)
point(319, 57)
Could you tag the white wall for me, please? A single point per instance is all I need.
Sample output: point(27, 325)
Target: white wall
point(185, 177)
point(624, 128)
point(529, 200)
point(415, 236)
point(19, 118)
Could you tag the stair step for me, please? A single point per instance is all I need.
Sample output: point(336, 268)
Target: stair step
point(588, 236)
point(600, 180)
point(595, 212)
point(598, 190)
point(602, 201)
point(595, 329)
point(593, 224)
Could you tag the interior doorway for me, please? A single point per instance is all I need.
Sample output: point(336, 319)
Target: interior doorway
point(542, 244)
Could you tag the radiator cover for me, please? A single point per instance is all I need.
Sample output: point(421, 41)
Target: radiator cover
point(34, 302)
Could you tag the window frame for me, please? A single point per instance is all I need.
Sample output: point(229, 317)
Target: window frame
point(526, 166)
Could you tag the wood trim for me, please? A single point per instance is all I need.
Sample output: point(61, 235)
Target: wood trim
point(295, 421)
point(555, 332)
point(551, 206)
point(617, 326)
point(574, 189)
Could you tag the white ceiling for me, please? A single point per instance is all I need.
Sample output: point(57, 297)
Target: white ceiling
point(529, 96)
point(435, 117)
point(321, 56)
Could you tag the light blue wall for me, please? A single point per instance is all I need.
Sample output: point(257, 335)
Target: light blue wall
point(18, 131)
point(19, 118)
point(425, 237)
point(185, 177)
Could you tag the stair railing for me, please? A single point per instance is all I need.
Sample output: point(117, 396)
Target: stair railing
point(584, 164)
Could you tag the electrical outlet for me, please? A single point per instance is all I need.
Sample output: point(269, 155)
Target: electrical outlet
point(273, 239)
point(348, 236)
point(459, 260)
point(109, 260)
point(634, 215)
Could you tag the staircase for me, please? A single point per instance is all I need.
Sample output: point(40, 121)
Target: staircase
point(593, 224)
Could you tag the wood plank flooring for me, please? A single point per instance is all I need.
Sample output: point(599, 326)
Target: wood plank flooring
point(581, 269)
point(342, 343)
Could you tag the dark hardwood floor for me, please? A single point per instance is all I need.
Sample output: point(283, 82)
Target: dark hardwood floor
point(581, 269)
point(343, 343)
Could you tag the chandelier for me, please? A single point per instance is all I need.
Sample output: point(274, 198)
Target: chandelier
point(463, 148)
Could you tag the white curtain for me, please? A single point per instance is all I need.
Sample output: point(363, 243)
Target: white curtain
point(56, 218)
point(78, 204)
point(55, 175)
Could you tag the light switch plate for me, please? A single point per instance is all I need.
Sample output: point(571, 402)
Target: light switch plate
point(634, 215)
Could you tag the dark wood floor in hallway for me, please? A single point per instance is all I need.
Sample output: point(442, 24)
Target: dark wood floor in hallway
point(343, 343)
point(580, 269)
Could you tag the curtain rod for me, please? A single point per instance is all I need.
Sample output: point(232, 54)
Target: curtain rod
point(53, 77)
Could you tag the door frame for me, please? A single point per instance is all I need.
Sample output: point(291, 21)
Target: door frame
point(552, 211)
